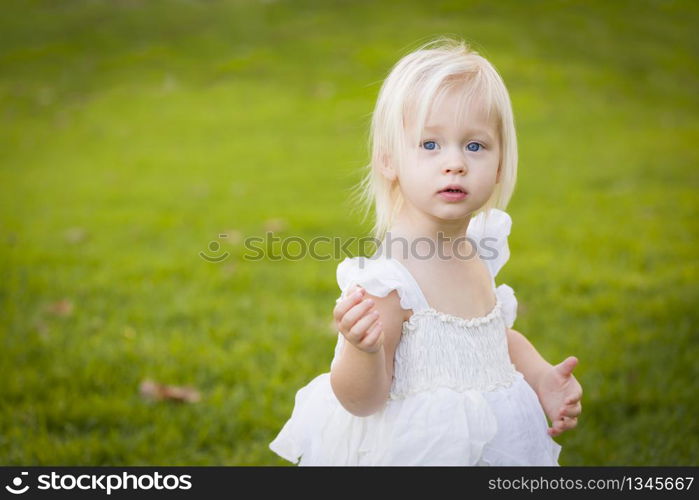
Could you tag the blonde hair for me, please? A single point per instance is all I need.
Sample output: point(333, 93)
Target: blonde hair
point(414, 83)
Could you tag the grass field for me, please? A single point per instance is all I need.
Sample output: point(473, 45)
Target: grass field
point(133, 134)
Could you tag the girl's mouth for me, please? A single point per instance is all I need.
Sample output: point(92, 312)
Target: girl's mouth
point(452, 194)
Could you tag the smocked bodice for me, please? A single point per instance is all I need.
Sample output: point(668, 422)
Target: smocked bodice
point(441, 350)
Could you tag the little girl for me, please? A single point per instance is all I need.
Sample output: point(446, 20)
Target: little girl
point(427, 370)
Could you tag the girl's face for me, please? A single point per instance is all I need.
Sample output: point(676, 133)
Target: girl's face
point(466, 154)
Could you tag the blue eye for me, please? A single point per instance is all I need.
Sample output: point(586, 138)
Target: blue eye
point(471, 146)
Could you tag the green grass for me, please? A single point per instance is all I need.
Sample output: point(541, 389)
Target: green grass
point(154, 126)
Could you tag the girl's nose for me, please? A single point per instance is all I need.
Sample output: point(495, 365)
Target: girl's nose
point(455, 164)
point(455, 169)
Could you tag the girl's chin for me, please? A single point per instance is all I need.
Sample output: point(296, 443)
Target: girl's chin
point(452, 210)
point(454, 215)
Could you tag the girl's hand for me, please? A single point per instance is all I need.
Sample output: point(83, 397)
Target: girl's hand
point(358, 321)
point(560, 394)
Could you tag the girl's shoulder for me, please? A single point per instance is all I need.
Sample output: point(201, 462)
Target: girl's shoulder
point(379, 275)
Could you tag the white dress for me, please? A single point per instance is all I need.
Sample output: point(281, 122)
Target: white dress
point(456, 398)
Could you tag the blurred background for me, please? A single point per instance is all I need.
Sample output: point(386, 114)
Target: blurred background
point(142, 142)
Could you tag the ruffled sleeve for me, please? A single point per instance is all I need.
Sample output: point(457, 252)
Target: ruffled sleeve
point(378, 276)
point(490, 237)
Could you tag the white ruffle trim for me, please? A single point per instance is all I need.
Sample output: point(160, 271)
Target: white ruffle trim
point(490, 237)
point(438, 427)
point(508, 303)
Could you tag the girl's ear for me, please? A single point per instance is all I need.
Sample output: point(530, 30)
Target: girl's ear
point(387, 168)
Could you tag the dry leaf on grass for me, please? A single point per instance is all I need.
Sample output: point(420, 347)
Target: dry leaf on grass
point(231, 236)
point(275, 225)
point(62, 307)
point(75, 235)
point(159, 392)
point(128, 332)
point(41, 327)
point(323, 90)
point(228, 270)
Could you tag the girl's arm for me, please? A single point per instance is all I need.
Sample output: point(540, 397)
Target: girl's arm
point(526, 358)
point(556, 387)
point(361, 380)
